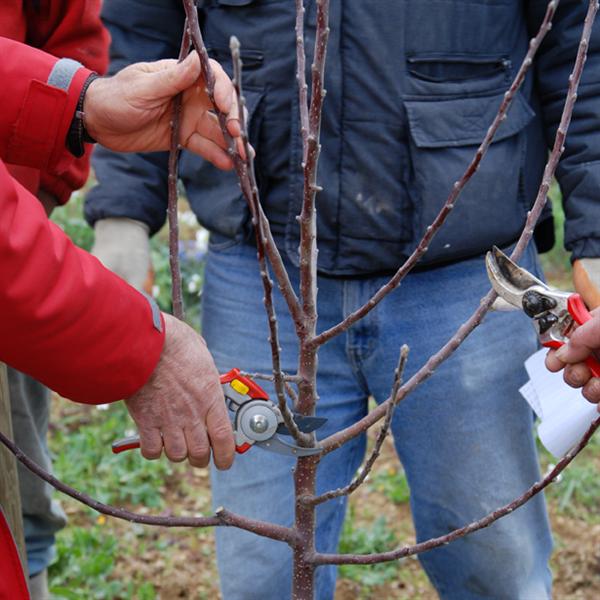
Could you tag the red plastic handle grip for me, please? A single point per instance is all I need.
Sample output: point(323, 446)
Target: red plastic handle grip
point(133, 443)
point(578, 310)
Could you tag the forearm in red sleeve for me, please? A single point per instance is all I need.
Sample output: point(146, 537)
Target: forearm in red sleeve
point(38, 96)
point(66, 320)
point(72, 29)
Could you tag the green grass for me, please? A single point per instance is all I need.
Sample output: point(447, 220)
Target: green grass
point(86, 559)
point(82, 457)
point(577, 491)
point(374, 537)
point(392, 483)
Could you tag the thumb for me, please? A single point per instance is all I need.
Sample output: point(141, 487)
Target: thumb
point(584, 340)
point(172, 77)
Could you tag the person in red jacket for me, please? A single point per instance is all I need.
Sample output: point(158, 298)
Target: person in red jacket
point(65, 29)
point(68, 321)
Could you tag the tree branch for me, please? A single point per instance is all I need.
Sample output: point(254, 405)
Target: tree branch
point(362, 476)
point(261, 243)
point(222, 517)
point(446, 209)
point(301, 77)
point(367, 559)
point(279, 270)
point(341, 437)
point(176, 288)
point(269, 376)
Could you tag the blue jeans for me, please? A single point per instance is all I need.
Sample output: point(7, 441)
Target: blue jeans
point(464, 437)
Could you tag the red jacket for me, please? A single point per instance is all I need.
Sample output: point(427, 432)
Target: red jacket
point(63, 28)
point(64, 318)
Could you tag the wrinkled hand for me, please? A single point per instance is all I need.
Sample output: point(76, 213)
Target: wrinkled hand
point(132, 111)
point(583, 343)
point(181, 407)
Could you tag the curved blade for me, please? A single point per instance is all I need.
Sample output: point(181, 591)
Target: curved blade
point(509, 280)
point(305, 424)
point(276, 444)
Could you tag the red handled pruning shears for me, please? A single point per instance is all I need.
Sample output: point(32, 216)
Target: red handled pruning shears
point(555, 314)
point(256, 420)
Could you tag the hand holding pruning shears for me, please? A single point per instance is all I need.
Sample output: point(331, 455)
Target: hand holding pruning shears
point(255, 419)
point(561, 319)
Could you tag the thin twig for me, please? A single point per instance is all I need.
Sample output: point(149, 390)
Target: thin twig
point(261, 242)
point(458, 187)
point(383, 432)
point(308, 218)
point(279, 270)
point(341, 437)
point(366, 559)
point(303, 576)
point(269, 376)
point(220, 519)
point(301, 77)
point(176, 286)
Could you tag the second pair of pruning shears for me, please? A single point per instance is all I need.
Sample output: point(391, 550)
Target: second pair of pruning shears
point(256, 420)
point(556, 314)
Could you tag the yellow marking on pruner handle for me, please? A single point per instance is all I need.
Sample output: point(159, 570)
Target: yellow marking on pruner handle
point(239, 387)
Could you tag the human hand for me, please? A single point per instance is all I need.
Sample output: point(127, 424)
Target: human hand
point(582, 344)
point(132, 111)
point(123, 246)
point(181, 407)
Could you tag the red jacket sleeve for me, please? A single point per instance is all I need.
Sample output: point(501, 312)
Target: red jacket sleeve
point(69, 29)
point(66, 320)
point(38, 97)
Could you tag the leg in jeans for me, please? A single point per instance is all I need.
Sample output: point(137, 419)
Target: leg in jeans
point(260, 483)
point(42, 516)
point(465, 435)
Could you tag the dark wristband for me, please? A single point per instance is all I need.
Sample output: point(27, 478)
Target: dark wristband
point(77, 135)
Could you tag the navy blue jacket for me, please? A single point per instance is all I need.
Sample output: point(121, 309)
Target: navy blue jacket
point(412, 87)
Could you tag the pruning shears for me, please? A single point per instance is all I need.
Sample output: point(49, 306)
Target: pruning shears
point(556, 314)
point(256, 420)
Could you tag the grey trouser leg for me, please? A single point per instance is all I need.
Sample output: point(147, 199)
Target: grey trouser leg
point(42, 516)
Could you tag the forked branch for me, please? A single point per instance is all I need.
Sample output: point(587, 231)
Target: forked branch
point(383, 432)
point(338, 439)
point(448, 206)
point(369, 559)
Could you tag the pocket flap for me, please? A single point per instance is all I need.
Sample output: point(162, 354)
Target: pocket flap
point(463, 121)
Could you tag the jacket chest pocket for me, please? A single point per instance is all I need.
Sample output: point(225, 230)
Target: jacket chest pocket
point(444, 136)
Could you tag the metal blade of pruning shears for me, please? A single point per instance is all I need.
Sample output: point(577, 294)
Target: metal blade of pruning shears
point(509, 280)
point(555, 314)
